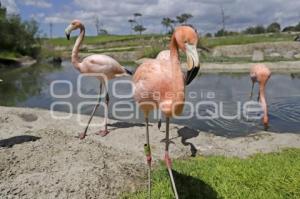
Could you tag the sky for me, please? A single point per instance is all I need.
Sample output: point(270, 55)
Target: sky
point(114, 14)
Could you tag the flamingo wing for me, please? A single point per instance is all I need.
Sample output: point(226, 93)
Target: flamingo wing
point(103, 64)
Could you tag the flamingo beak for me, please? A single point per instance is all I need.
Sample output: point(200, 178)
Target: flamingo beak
point(68, 31)
point(192, 62)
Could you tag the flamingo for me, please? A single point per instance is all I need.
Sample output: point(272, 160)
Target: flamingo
point(164, 78)
point(261, 73)
point(100, 65)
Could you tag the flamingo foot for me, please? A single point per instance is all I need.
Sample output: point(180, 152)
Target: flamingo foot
point(168, 160)
point(103, 133)
point(81, 136)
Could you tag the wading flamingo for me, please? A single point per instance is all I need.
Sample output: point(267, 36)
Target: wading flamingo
point(261, 73)
point(104, 68)
point(160, 84)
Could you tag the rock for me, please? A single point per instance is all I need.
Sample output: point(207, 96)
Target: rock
point(275, 55)
point(289, 55)
point(26, 61)
point(297, 56)
point(258, 56)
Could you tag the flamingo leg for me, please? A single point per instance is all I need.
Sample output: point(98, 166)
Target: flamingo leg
point(168, 159)
point(258, 96)
point(104, 132)
point(83, 135)
point(159, 124)
point(147, 149)
point(251, 94)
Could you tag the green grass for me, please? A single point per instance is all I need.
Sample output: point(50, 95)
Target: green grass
point(263, 176)
point(209, 42)
point(100, 39)
point(244, 39)
point(9, 55)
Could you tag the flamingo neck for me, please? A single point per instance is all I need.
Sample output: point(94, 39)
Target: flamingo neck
point(75, 51)
point(263, 102)
point(174, 54)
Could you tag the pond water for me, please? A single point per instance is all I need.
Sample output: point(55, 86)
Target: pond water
point(30, 87)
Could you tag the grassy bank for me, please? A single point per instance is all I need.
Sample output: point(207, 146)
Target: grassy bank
point(275, 175)
point(102, 39)
point(245, 39)
point(209, 42)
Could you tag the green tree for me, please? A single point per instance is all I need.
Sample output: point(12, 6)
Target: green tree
point(132, 22)
point(139, 28)
point(17, 36)
point(255, 30)
point(297, 27)
point(208, 35)
point(183, 18)
point(274, 27)
point(167, 22)
point(289, 29)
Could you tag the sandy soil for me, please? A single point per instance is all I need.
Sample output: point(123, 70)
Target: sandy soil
point(40, 157)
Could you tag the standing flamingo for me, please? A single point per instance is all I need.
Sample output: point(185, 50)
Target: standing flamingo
point(261, 73)
point(104, 68)
point(159, 83)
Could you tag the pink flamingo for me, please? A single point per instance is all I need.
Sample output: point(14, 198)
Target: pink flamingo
point(104, 68)
point(164, 55)
point(261, 73)
point(159, 84)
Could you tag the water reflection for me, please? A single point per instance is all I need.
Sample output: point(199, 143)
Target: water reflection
point(21, 84)
point(31, 87)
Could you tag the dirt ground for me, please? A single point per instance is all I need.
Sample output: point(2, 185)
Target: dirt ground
point(40, 157)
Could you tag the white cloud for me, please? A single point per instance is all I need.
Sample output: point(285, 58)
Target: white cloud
point(207, 14)
point(37, 3)
point(11, 6)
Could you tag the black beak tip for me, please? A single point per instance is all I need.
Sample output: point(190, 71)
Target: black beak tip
point(68, 36)
point(191, 74)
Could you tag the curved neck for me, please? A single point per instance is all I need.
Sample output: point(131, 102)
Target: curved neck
point(75, 51)
point(174, 54)
point(262, 99)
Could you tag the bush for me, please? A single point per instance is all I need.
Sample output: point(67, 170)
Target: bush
point(274, 27)
point(17, 36)
point(223, 32)
point(255, 30)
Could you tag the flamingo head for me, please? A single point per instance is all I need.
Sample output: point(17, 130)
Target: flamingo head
point(186, 39)
point(74, 25)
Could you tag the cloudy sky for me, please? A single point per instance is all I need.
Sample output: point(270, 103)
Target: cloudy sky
point(114, 14)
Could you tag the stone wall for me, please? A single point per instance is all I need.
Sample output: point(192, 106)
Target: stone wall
point(287, 50)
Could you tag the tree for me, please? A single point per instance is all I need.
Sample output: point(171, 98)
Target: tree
point(103, 31)
point(132, 22)
point(274, 27)
point(139, 28)
point(289, 29)
point(183, 18)
point(208, 35)
point(97, 24)
point(2, 12)
point(167, 22)
point(136, 15)
point(255, 30)
point(297, 27)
